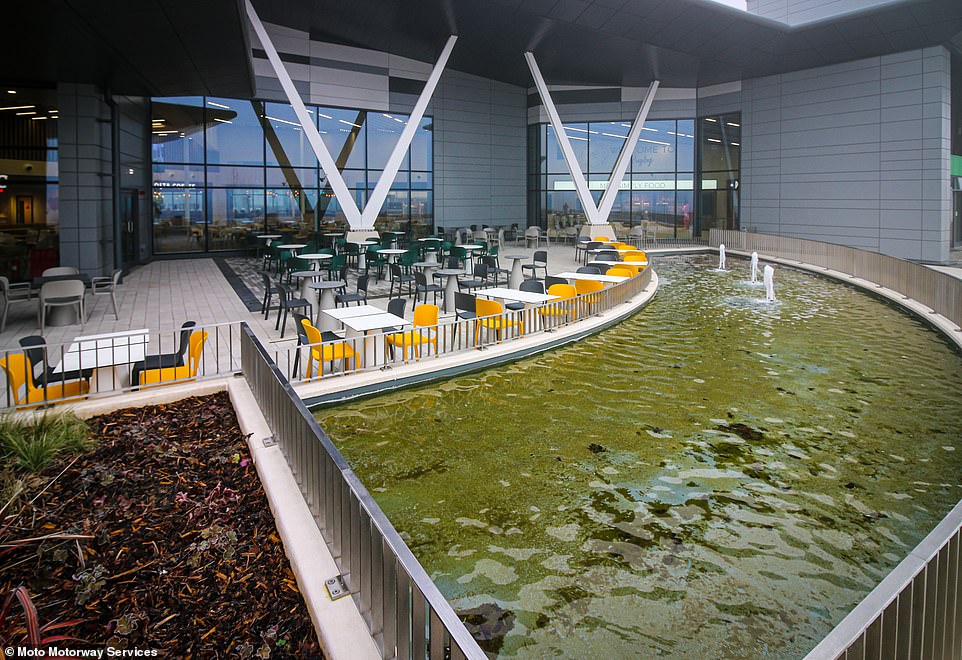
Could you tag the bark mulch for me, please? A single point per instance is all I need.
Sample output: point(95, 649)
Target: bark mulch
point(180, 551)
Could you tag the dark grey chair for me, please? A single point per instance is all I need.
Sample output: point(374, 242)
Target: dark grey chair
point(359, 297)
point(268, 295)
point(398, 277)
point(286, 303)
point(35, 348)
point(538, 261)
point(551, 280)
point(421, 286)
point(531, 286)
point(302, 340)
point(589, 270)
point(465, 305)
point(480, 279)
point(165, 360)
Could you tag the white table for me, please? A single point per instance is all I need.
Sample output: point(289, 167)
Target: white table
point(111, 349)
point(341, 313)
point(392, 253)
point(315, 258)
point(611, 249)
point(614, 264)
point(361, 324)
point(469, 262)
point(306, 277)
point(327, 288)
point(611, 279)
point(517, 275)
point(293, 247)
point(450, 285)
point(529, 297)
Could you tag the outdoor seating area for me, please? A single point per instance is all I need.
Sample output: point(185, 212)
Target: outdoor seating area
point(433, 298)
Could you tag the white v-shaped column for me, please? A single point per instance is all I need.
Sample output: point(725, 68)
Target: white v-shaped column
point(597, 215)
point(355, 217)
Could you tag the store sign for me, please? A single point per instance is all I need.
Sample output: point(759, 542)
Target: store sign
point(669, 184)
point(3, 183)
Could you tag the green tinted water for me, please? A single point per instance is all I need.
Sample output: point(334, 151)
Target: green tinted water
point(715, 477)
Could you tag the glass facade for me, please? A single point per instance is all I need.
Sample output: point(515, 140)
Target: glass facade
point(226, 170)
point(719, 172)
point(29, 176)
point(657, 189)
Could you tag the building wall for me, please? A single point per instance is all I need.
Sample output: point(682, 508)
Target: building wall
point(794, 12)
point(854, 153)
point(479, 124)
point(86, 206)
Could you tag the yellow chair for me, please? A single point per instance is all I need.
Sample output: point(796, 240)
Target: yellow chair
point(620, 271)
point(184, 372)
point(556, 307)
point(636, 255)
point(20, 375)
point(601, 239)
point(425, 316)
point(490, 315)
point(325, 353)
point(590, 289)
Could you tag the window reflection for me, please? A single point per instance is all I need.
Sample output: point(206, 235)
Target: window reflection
point(29, 178)
point(253, 164)
point(658, 192)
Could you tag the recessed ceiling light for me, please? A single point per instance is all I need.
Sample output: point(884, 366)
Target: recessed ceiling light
point(28, 112)
point(18, 107)
point(36, 118)
point(11, 91)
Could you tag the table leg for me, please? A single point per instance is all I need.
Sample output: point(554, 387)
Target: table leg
point(323, 321)
point(360, 261)
point(450, 286)
point(516, 276)
point(306, 290)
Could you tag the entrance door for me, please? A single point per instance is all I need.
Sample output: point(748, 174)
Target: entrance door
point(957, 217)
point(130, 226)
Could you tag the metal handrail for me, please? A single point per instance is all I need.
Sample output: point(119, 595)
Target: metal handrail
point(220, 357)
point(406, 613)
point(914, 611)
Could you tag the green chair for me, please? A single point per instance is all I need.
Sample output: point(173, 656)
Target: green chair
point(373, 258)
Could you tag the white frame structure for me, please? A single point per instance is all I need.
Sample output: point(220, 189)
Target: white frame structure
point(596, 214)
point(357, 219)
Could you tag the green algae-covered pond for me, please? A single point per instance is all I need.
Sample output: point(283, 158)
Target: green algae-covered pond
point(715, 477)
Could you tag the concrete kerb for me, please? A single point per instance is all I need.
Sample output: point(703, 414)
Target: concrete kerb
point(926, 314)
point(335, 389)
point(340, 627)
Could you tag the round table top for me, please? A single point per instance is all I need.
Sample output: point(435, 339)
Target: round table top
point(431, 238)
point(472, 247)
point(514, 256)
point(334, 233)
point(292, 246)
point(449, 272)
point(366, 241)
point(396, 233)
point(491, 230)
point(327, 284)
point(392, 251)
point(269, 236)
point(315, 255)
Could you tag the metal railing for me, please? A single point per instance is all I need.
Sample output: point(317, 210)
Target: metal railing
point(938, 291)
point(92, 366)
point(916, 611)
point(407, 615)
point(450, 336)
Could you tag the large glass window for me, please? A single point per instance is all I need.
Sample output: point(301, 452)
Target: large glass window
point(225, 170)
point(29, 176)
point(656, 192)
point(719, 149)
